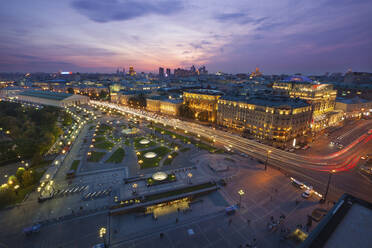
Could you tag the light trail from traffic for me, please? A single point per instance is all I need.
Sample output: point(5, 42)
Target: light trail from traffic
point(342, 160)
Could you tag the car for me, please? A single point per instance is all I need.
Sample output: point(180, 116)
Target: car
point(307, 193)
point(297, 183)
point(32, 229)
point(101, 245)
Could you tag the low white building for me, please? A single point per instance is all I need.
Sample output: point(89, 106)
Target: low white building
point(51, 98)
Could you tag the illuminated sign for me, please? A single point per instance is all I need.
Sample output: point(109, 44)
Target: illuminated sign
point(66, 72)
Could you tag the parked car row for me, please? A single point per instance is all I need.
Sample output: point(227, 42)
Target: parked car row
point(97, 194)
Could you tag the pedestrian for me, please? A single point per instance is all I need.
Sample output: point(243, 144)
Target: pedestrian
point(230, 221)
point(249, 221)
point(271, 198)
point(161, 235)
point(176, 220)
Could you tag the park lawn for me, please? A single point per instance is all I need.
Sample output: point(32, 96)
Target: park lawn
point(75, 165)
point(161, 151)
point(103, 128)
point(172, 134)
point(117, 156)
point(106, 145)
point(96, 156)
point(138, 145)
point(207, 147)
point(100, 139)
point(169, 160)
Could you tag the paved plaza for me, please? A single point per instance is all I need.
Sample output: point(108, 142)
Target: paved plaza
point(72, 220)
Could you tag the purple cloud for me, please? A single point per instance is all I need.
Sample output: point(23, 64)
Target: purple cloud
point(239, 18)
point(114, 10)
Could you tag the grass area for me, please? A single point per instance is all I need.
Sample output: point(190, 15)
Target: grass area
point(170, 158)
point(99, 139)
point(75, 165)
point(179, 191)
point(117, 156)
point(160, 151)
point(138, 145)
point(172, 134)
point(96, 156)
point(107, 145)
point(103, 128)
point(188, 140)
point(127, 142)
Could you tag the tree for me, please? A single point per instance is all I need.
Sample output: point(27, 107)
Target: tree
point(19, 174)
point(28, 178)
point(36, 159)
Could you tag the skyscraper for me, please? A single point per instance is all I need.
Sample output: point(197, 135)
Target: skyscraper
point(161, 72)
point(168, 73)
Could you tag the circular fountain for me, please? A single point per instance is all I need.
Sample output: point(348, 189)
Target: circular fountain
point(144, 141)
point(159, 176)
point(150, 155)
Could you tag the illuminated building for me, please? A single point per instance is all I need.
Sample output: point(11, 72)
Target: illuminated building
point(131, 72)
point(277, 120)
point(168, 72)
point(354, 107)
point(256, 73)
point(170, 106)
point(51, 98)
point(202, 100)
point(163, 105)
point(322, 98)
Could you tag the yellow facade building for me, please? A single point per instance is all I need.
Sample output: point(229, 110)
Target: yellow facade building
point(277, 120)
point(203, 100)
point(322, 98)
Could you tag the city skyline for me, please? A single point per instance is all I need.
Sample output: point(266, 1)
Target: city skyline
point(94, 36)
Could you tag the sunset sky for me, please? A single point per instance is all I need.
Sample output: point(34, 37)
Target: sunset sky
point(285, 36)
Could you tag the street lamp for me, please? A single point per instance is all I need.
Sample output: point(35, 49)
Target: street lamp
point(102, 234)
point(134, 186)
point(329, 181)
point(240, 192)
point(267, 158)
point(189, 175)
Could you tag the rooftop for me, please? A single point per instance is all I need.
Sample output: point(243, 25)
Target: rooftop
point(271, 101)
point(354, 100)
point(46, 94)
point(206, 92)
point(347, 224)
